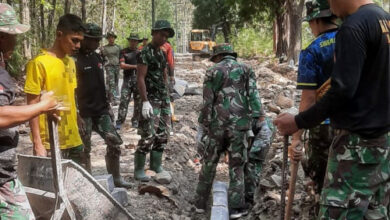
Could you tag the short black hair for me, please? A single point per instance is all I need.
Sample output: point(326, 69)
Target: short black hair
point(70, 23)
point(330, 19)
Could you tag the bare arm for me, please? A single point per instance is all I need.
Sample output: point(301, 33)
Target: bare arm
point(38, 148)
point(11, 116)
point(126, 66)
point(141, 74)
point(308, 99)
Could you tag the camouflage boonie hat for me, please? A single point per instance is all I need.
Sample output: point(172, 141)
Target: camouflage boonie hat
point(111, 34)
point(133, 36)
point(93, 30)
point(163, 25)
point(317, 9)
point(9, 22)
point(225, 48)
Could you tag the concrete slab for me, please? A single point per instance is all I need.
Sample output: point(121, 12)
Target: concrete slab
point(106, 181)
point(120, 195)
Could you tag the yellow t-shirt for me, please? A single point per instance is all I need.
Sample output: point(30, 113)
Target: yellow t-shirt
point(49, 73)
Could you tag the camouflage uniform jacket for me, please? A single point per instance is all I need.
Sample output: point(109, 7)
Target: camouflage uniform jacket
point(8, 136)
point(230, 96)
point(156, 79)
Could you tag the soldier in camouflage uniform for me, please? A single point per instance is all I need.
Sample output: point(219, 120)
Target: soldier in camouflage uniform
point(129, 87)
point(315, 67)
point(111, 54)
point(93, 104)
point(13, 200)
point(231, 103)
point(152, 83)
point(357, 181)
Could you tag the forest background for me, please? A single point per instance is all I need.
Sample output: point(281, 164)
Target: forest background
point(263, 29)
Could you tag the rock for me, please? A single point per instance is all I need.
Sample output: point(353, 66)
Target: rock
point(160, 191)
point(163, 177)
point(150, 173)
point(284, 102)
point(273, 108)
point(175, 217)
point(277, 180)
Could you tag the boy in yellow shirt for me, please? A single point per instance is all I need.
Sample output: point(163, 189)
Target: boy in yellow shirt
point(54, 70)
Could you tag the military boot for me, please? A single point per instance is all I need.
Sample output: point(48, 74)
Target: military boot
point(112, 164)
point(156, 161)
point(139, 164)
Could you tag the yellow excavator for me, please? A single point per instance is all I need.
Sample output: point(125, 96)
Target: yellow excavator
point(201, 44)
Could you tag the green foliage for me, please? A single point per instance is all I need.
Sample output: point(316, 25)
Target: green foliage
point(17, 62)
point(250, 42)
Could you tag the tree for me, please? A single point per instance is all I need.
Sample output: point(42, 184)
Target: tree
point(213, 13)
point(25, 19)
point(294, 11)
point(67, 7)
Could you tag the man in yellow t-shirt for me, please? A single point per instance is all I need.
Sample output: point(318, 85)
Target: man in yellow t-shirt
point(54, 70)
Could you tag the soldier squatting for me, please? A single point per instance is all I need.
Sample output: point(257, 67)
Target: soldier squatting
point(344, 76)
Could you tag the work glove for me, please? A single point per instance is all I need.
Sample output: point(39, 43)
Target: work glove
point(147, 110)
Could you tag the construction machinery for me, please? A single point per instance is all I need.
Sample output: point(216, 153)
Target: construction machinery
point(201, 44)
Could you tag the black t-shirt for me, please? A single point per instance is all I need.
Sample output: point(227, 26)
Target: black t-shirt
point(359, 98)
point(8, 136)
point(129, 56)
point(91, 93)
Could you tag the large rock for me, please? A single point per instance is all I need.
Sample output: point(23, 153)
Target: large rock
point(120, 195)
point(106, 181)
point(284, 102)
point(163, 177)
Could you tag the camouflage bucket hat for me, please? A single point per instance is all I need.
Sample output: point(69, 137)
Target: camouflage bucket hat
point(93, 30)
point(317, 9)
point(134, 37)
point(111, 34)
point(163, 25)
point(9, 22)
point(222, 49)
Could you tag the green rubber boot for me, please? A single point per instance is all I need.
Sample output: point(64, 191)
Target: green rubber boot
point(156, 161)
point(139, 163)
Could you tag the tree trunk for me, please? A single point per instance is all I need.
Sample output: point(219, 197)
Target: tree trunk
point(25, 19)
point(153, 12)
point(10, 2)
point(113, 17)
point(281, 42)
point(226, 32)
point(42, 28)
point(67, 7)
point(51, 18)
point(104, 17)
point(83, 11)
point(294, 11)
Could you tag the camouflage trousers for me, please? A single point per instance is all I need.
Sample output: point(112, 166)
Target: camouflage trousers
point(216, 143)
point(316, 155)
point(14, 204)
point(112, 80)
point(129, 88)
point(155, 130)
point(357, 183)
point(104, 127)
point(257, 153)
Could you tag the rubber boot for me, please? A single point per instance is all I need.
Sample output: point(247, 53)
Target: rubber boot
point(156, 161)
point(139, 164)
point(173, 117)
point(112, 164)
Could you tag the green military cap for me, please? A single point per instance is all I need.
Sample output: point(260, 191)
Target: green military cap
point(93, 30)
point(163, 25)
point(111, 34)
point(133, 36)
point(225, 48)
point(317, 9)
point(9, 21)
